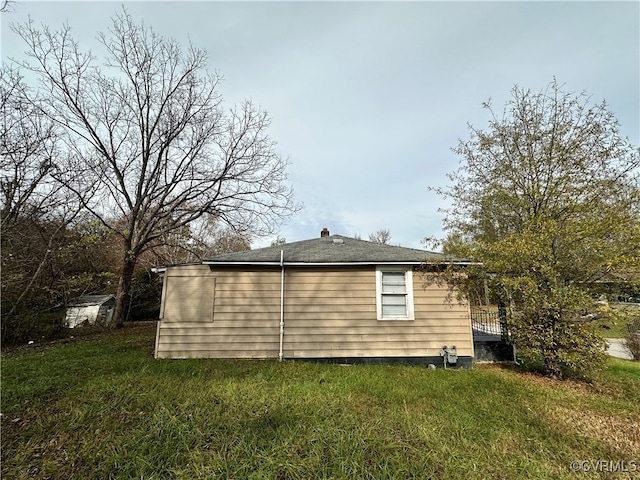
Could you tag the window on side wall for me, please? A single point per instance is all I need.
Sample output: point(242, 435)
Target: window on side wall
point(394, 293)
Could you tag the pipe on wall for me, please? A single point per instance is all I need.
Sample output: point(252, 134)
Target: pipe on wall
point(281, 352)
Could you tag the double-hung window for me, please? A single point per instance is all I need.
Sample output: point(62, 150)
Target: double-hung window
point(394, 293)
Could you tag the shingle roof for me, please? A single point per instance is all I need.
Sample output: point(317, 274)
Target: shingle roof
point(330, 250)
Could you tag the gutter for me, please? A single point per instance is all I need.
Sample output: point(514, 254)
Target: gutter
point(330, 264)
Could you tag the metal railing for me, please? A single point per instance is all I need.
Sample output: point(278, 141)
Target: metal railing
point(488, 324)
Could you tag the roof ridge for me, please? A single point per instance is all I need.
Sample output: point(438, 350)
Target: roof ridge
point(325, 250)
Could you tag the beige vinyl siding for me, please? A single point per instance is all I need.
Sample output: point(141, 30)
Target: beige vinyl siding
point(199, 307)
point(329, 312)
point(221, 314)
point(332, 314)
point(447, 320)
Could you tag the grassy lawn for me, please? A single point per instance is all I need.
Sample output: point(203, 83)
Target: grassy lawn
point(104, 408)
point(613, 328)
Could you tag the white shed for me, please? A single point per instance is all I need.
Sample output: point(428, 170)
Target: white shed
point(90, 310)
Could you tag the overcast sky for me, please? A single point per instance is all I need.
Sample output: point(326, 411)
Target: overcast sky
point(367, 98)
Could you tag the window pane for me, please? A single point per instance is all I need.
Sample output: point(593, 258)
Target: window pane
point(396, 278)
point(394, 306)
point(394, 300)
point(394, 311)
point(393, 282)
point(393, 288)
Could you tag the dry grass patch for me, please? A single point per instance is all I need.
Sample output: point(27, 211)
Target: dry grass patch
point(621, 434)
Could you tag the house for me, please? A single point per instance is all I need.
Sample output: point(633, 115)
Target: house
point(331, 298)
point(90, 310)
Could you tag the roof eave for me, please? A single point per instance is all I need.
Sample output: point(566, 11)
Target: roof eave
point(335, 264)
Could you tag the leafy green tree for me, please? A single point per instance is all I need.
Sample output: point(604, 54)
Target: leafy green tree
point(46, 263)
point(547, 198)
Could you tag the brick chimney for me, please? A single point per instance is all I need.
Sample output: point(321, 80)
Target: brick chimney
point(324, 232)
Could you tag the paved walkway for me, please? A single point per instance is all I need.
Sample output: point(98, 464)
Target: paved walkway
point(617, 349)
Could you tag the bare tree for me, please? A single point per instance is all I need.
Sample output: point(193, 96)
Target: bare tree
point(149, 131)
point(381, 236)
point(228, 240)
point(194, 242)
point(35, 209)
point(27, 146)
point(6, 6)
point(278, 241)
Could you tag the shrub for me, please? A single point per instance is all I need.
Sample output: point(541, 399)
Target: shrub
point(632, 343)
point(21, 328)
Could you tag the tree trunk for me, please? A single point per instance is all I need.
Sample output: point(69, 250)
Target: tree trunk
point(552, 366)
point(124, 290)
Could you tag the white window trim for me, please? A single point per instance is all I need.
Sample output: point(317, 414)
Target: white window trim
point(408, 278)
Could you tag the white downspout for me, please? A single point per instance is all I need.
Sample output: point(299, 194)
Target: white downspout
point(281, 353)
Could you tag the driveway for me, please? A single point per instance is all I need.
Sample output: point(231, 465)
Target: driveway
point(617, 349)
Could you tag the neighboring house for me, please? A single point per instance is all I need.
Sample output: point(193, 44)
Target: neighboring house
point(332, 298)
point(90, 310)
